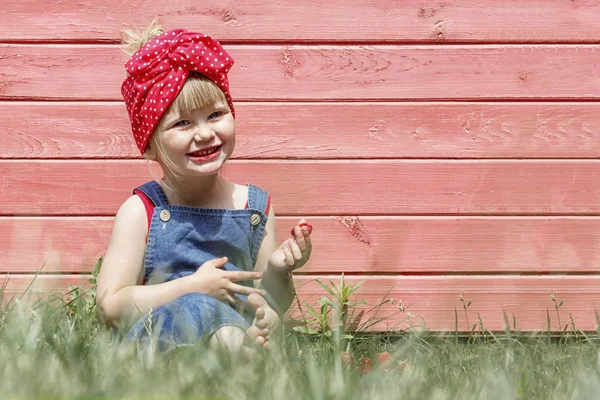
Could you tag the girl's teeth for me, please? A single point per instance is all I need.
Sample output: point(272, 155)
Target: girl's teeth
point(205, 152)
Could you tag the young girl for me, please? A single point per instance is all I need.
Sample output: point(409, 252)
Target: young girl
point(194, 254)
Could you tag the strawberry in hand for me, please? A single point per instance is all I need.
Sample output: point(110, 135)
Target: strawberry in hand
point(293, 253)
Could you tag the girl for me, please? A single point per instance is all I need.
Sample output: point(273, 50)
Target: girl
point(193, 253)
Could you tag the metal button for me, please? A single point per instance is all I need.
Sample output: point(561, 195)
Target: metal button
point(165, 215)
point(255, 219)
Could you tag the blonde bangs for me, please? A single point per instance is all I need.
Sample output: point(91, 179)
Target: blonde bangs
point(198, 92)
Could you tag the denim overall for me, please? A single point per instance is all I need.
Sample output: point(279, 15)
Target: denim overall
point(180, 240)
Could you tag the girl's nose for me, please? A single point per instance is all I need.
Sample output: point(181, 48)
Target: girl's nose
point(203, 133)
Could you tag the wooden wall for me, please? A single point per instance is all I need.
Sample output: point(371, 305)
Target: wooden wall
point(435, 147)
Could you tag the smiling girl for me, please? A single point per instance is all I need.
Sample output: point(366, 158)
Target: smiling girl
point(193, 253)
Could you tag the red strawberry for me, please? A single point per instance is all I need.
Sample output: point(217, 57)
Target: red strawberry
point(384, 359)
point(404, 365)
point(347, 359)
point(366, 365)
point(301, 226)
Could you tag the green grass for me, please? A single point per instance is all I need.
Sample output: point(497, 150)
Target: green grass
point(48, 352)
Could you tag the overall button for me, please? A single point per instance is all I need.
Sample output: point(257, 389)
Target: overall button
point(255, 219)
point(165, 215)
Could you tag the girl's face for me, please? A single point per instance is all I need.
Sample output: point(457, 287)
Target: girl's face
point(199, 142)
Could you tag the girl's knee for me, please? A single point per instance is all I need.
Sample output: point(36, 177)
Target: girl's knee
point(228, 337)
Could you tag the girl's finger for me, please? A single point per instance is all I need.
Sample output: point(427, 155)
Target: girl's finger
point(289, 257)
point(297, 232)
point(301, 243)
point(240, 289)
point(242, 275)
point(305, 231)
point(229, 299)
point(308, 244)
point(296, 251)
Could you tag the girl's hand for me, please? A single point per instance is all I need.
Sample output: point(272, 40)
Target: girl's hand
point(295, 252)
point(210, 279)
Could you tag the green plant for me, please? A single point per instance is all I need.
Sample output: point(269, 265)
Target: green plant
point(334, 315)
point(80, 302)
point(332, 324)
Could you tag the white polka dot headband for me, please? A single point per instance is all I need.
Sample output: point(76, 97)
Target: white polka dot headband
point(158, 71)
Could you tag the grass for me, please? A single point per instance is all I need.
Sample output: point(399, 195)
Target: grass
point(57, 349)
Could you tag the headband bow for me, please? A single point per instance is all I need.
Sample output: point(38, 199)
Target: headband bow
point(158, 71)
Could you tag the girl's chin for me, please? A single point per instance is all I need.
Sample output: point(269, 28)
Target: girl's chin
point(204, 166)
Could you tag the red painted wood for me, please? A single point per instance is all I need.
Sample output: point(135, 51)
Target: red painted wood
point(435, 299)
point(306, 187)
point(309, 85)
point(70, 244)
point(296, 130)
point(430, 299)
point(400, 245)
point(272, 72)
point(362, 21)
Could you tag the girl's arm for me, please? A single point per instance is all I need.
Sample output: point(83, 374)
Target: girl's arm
point(118, 295)
point(279, 285)
point(121, 298)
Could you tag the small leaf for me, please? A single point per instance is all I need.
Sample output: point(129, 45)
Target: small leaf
point(326, 288)
point(355, 288)
point(305, 329)
point(325, 301)
point(312, 311)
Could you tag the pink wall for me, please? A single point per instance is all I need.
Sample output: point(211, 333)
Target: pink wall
point(435, 148)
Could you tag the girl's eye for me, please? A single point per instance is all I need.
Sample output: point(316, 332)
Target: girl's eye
point(181, 124)
point(216, 114)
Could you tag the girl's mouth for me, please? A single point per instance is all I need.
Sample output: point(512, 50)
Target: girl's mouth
point(205, 154)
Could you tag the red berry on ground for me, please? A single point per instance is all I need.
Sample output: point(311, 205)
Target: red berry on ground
point(404, 365)
point(385, 359)
point(346, 358)
point(366, 365)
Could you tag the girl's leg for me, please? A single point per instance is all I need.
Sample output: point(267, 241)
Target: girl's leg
point(228, 337)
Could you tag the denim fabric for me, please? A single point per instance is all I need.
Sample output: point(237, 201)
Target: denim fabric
point(178, 244)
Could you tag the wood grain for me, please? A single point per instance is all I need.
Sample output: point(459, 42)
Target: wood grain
point(373, 187)
point(317, 73)
point(431, 301)
point(296, 130)
point(311, 20)
point(369, 245)
point(398, 128)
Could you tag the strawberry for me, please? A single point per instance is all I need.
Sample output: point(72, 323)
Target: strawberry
point(301, 226)
point(405, 365)
point(366, 365)
point(347, 359)
point(384, 359)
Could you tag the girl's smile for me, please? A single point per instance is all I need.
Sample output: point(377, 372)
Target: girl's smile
point(205, 154)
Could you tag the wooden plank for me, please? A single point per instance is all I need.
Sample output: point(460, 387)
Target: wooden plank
point(312, 20)
point(354, 130)
point(390, 245)
point(431, 301)
point(375, 187)
point(95, 72)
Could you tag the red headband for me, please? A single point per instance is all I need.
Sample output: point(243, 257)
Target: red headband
point(158, 71)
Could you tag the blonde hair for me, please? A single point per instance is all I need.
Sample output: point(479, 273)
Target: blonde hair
point(197, 92)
